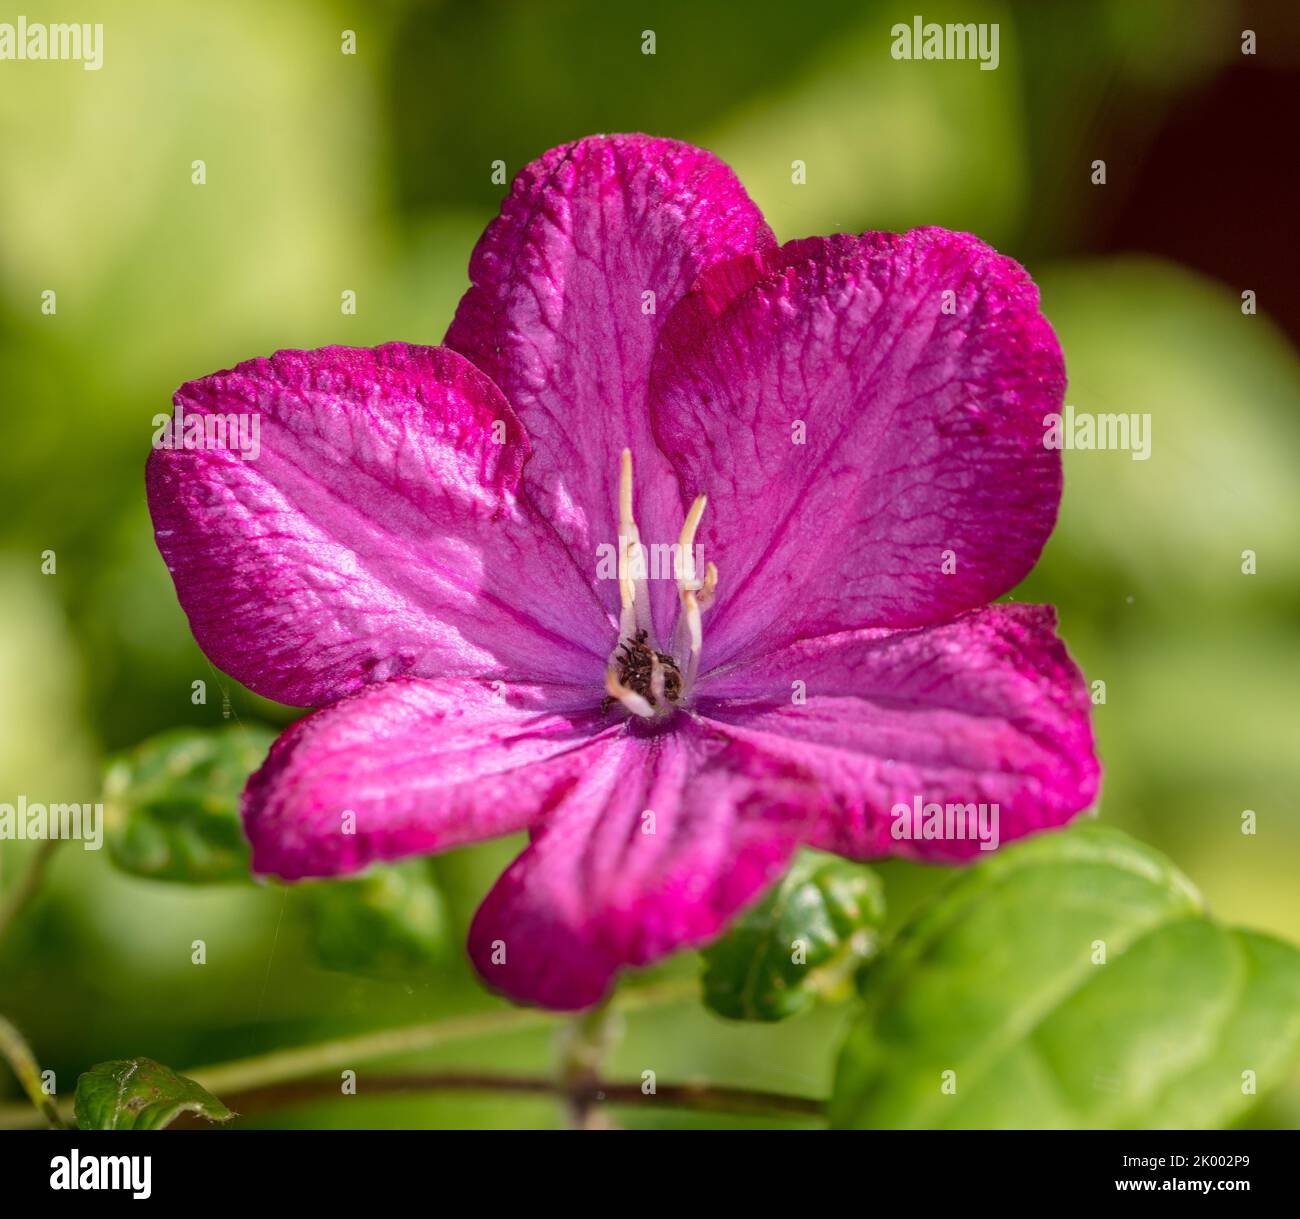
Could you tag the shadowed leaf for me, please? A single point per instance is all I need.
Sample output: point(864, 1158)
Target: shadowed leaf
point(803, 941)
point(140, 1094)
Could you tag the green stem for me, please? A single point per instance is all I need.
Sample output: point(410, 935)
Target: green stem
point(388, 1043)
point(28, 1072)
point(698, 1097)
point(584, 1046)
point(346, 1052)
point(280, 1065)
point(29, 885)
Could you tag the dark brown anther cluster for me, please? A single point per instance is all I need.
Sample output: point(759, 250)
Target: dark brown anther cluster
point(635, 660)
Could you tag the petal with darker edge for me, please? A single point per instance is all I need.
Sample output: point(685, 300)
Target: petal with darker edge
point(866, 417)
point(986, 709)
point(377, 531)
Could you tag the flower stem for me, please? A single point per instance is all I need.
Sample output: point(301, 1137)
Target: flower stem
point(584, 1046)
point(28, 1072)
point(285, 1076)
point(29, 885)
point(346, 1052)
point(388, 1043)
point(699, 1097)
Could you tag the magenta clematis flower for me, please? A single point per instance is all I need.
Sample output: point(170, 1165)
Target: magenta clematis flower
point(423, 544)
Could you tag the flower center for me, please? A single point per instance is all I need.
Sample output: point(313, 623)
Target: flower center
point(648, 681)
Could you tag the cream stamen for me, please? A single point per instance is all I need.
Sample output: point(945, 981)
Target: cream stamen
point(634, 595)
point(688, 638)
point(685, 558)
point(694, 631)
point(710, 588)
point(649, 683)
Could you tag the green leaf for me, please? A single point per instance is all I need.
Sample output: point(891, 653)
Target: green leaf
point(994, 1008)
point(802, 942)
point(140, 1094)
point(390, 923)
point(171, 804)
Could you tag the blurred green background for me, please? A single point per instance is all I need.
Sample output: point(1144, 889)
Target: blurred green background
point(372, 172)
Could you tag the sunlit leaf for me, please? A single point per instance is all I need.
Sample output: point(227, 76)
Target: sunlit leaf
point(1071, 981)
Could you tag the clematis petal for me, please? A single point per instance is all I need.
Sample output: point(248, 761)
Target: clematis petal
point(866, 417)
point(411, 766)
point(667, 839)
point(373, 530)
point(985, 709)
point(595, 243)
